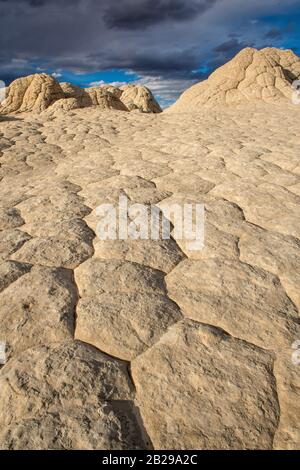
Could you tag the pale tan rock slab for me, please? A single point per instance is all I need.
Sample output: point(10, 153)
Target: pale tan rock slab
point(246, 301)
point(37, 309)
point(67, 396)
point(95, 277)
point(195, 391)
point(124, 325)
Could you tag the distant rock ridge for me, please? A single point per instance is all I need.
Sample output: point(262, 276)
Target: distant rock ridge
point(40, 92)
point(251, 75)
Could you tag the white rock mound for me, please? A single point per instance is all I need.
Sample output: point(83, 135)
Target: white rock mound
point(33, 93)
point(252, 75)
point(42, 92)
point(112, 89)
point(105, 99)
point(76, 93)
point(137, 97)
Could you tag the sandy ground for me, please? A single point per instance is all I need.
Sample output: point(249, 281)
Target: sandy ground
point(145, 344)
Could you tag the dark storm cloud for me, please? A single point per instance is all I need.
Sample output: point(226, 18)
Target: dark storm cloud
point(39, 3)
point(166, 40)
point(153, 61)
point(74, 34)
point(230, 47)
point(227, 50)
point(139, 14)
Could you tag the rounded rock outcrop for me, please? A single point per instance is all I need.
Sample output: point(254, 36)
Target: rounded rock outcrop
point(33, 93)
point(136, 97)
point(105, 99)
point(252, 75)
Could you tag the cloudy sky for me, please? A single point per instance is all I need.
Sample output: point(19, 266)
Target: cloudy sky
point(164, 44)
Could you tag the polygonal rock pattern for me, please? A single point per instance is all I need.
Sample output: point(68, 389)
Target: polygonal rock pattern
point(124, 308)
point(195, 391)
point(282, 217)
point(251, 75)
point(38, 308)
point(66, 248)
point(67, 396)
point(275, 253)
point(54, 209)
point(247, 302)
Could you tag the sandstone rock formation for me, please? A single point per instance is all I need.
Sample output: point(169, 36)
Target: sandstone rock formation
point(71, 91)
point(103, 98)
point(252, 75)
point(40, 92)
point(79, 97)
point(112, 89)
point(33, 93)
point(140, 98)
point(106, 97)
point(65, 104)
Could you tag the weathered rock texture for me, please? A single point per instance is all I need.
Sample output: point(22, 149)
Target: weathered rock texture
point(40, 92)
point(252, 75)
point(125, 344)
point(103, 98)
point(195, 385)
point(33, 93)
point(89, 405)
point(139, 97)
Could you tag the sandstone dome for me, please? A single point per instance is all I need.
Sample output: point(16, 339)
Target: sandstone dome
point(127, 98)
point(112, 89)
point(140, 98)
point(64, 104)
point(33, 93)
point(70, 90)
point(251, 75)
point(105, 99)
point(41, 91)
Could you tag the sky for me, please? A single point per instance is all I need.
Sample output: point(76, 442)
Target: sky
point(167, 45)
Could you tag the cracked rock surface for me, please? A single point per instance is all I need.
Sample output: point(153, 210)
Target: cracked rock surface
point(147, 344)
